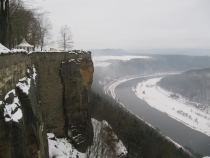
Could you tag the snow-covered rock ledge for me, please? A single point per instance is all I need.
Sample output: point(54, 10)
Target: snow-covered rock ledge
point(12, 110)
point(11, 103)
point(61, 148)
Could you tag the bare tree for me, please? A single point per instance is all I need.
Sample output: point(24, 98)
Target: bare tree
point(44, 31)
point(19, 19)
point(65, 41)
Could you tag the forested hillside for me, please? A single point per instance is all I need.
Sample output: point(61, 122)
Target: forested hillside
point(140, 139)
point(193, 84)
point(156, 64)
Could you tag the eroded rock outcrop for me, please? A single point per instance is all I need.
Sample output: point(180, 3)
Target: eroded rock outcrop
point(23, 134)
point(52, 89)
point(77, 77)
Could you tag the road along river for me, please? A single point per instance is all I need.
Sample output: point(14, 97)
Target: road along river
point(175, 130)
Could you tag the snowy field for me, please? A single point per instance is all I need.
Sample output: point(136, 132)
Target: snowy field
point(177, 108)
point(101, 60)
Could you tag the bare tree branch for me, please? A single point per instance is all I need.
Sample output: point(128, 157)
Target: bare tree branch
point(65, 41)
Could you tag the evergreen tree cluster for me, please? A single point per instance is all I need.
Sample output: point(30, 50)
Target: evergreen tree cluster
point(193, 85)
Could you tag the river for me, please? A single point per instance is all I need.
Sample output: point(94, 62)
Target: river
point(180, 133)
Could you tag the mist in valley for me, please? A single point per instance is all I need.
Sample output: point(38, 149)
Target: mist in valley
point(137, 74)
point(185, 78)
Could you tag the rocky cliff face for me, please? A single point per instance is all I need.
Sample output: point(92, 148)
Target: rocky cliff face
point(77, 79)
point(42, 93)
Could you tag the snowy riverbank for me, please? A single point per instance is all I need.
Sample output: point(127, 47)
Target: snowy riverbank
point(109, 89)
point(178, 109)
point(160, 99)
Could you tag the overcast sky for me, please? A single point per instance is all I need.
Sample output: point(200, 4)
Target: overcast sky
point(133, 24)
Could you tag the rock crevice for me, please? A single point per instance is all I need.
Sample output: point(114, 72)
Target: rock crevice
point(56, 101)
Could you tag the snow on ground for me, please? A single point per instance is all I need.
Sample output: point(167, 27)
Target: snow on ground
point(34, 74)
point(61, 148)
point(12, 111)
point(102, 134)
point(18, 50)
point(3, 49)
point(118, 147)
point(178, 109)
point(110, 90)
point(24, 84)
point(6, 50)
point(99, 148)
point(100, 60)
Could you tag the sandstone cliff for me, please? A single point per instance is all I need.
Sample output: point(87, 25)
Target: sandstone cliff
point(40, 93)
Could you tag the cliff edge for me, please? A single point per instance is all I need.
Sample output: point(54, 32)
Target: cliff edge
point(40, 93)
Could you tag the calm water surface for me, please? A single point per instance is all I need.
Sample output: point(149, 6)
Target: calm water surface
point(177, 131)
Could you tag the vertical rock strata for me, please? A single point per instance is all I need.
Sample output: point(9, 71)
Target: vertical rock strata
point(56, 101)
point(77, 78)
point(50, 90)
point(12, 68)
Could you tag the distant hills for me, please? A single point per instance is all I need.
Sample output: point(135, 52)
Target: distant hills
point(107, 52)
point(193, 84)
point(158, 64)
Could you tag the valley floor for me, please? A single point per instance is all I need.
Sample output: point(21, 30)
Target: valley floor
point(160, 99)
point(177, 108)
